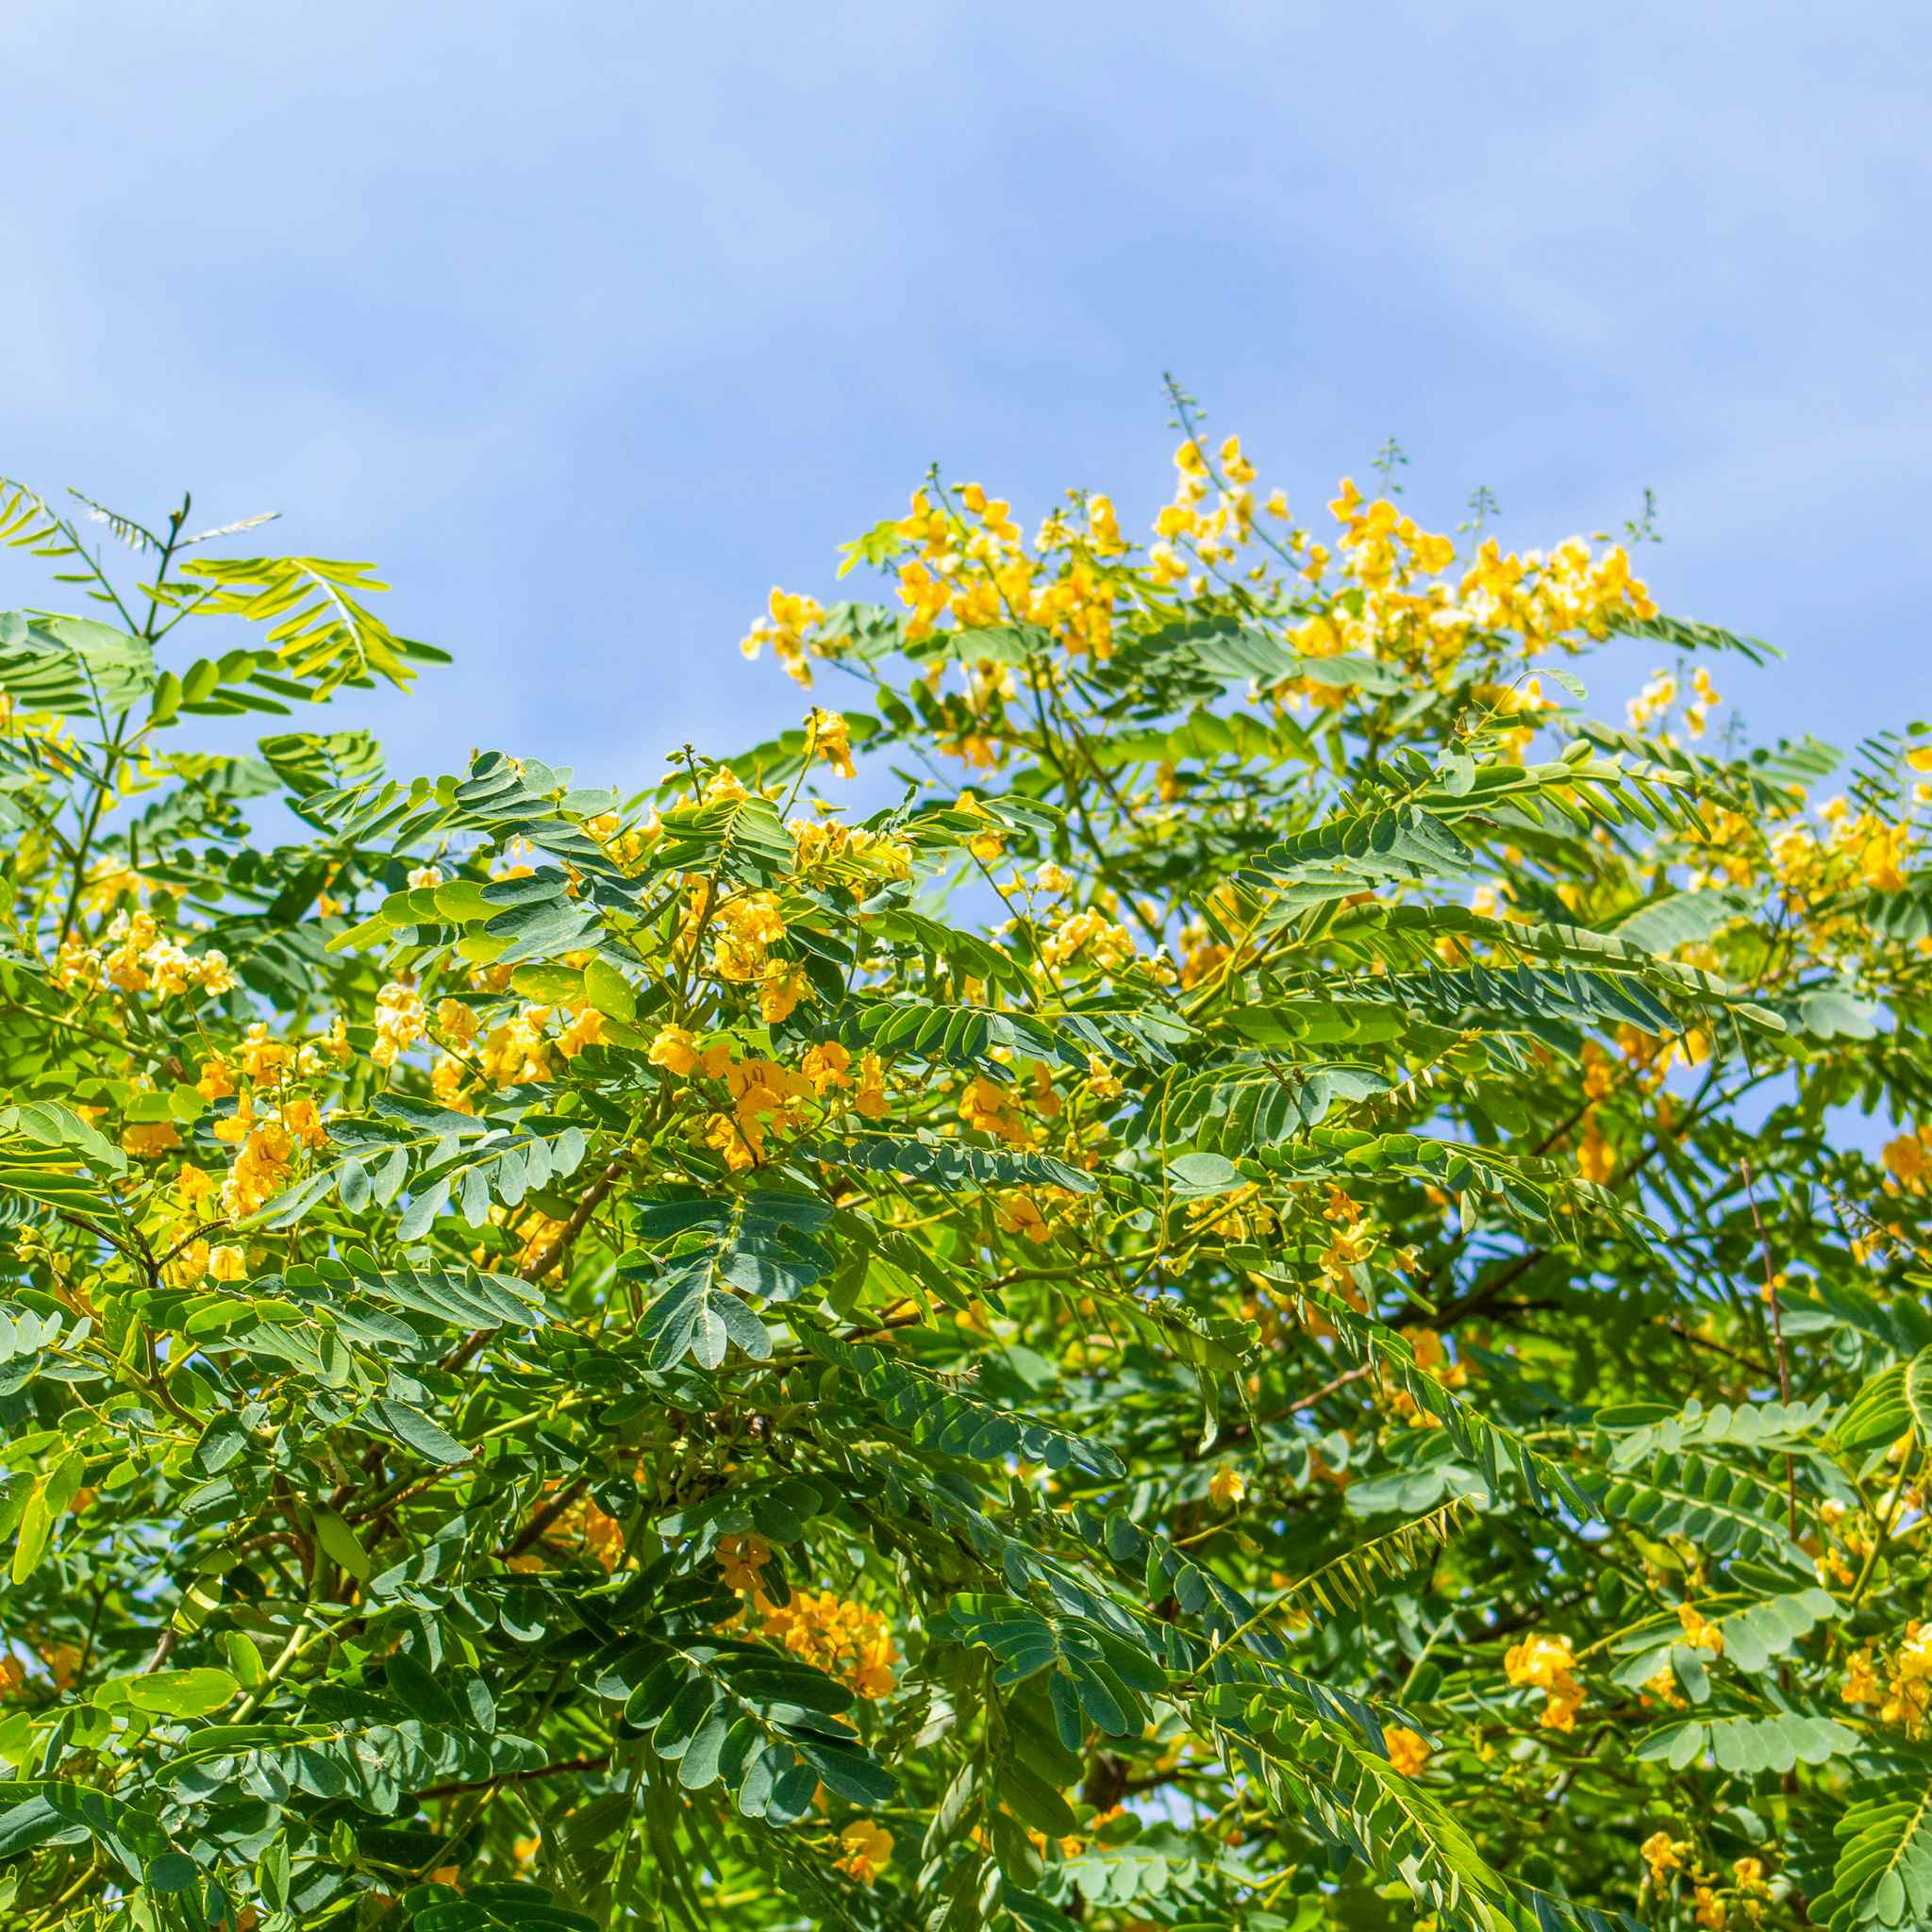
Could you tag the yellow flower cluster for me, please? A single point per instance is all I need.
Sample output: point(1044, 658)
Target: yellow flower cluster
point(1909, 1161)
point(1408, 1750)
point(514, 1053)
point(1548, 1664)
point(786, 626)
point(625, 845)
point(991, 1108)
point(744, 928)
point(1711, 1899)
point(1429, 627)
point(138, 958)
point(826, 842)
point(1857, 848)
point(1212, 536)
point(1700, 1633)
point(265, 1138)
point(963, 563)
point(766, 1094)
point(399, 1023)
point(1659, 697)
point(841, 1638)
point(828, 739)
point(1901, 1685)
point(979, 573)
point(1090, 941)
point(1432, 1356)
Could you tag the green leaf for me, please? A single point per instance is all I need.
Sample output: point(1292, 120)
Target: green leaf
point(416, 1431)
point(177, 1693)
point(1883, 1874)
point(339, 1543)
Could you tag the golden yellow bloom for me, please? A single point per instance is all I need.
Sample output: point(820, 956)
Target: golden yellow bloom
point(1408, 1752)
point(1909, 1160)
point(1547, 1663)
point(585, 1029)
point(1226, 1487)
point(739, 1560)
point(674, 1050)
point(828, 737)
point(398, 1020)
point(1699, 1632)
point(827, 1066)
point(1019, 1213)
point(1663, 1855)
point(865, 1851)
point(144, 1140)
point(841, 1638)
point(871, 1099)
point(1596, 1161)
point(747, 927)
point(780, 990)
point(1861, 1682)
point(63, 1663)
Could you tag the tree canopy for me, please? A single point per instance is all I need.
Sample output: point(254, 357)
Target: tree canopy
point(1205, 1258)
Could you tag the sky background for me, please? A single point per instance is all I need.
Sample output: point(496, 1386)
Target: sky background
point(589, 323)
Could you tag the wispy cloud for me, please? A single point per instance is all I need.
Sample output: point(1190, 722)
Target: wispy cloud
point(592, 323)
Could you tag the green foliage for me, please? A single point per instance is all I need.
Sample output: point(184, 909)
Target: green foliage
point(1239, 1300)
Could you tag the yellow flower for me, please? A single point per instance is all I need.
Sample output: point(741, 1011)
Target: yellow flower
point(1596, 1159)
point(1226, 1487)
point(780, 991)
point(147, 1138)
point(828, 737)
point(1881, 863)
point(865, 1851)
point(227, 1264)
point(747, 927)
point(1861, 1684)
point(674, 1050)
point(1408, 1752)
point(586, 1029)
point(1546, 1663)
point(398, 1023)
point(1663, 1855)
point(1104, 525)
point(63, 1663)
point(826, 1067)
point(456, 1020)
point(1907, 1158)
point(741, 1559)
point(742, 1144)
point(1020, 1214)
point(871, 1099)
point(1699, 1632)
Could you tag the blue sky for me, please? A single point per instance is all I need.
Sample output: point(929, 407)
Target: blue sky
point(590, 322)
